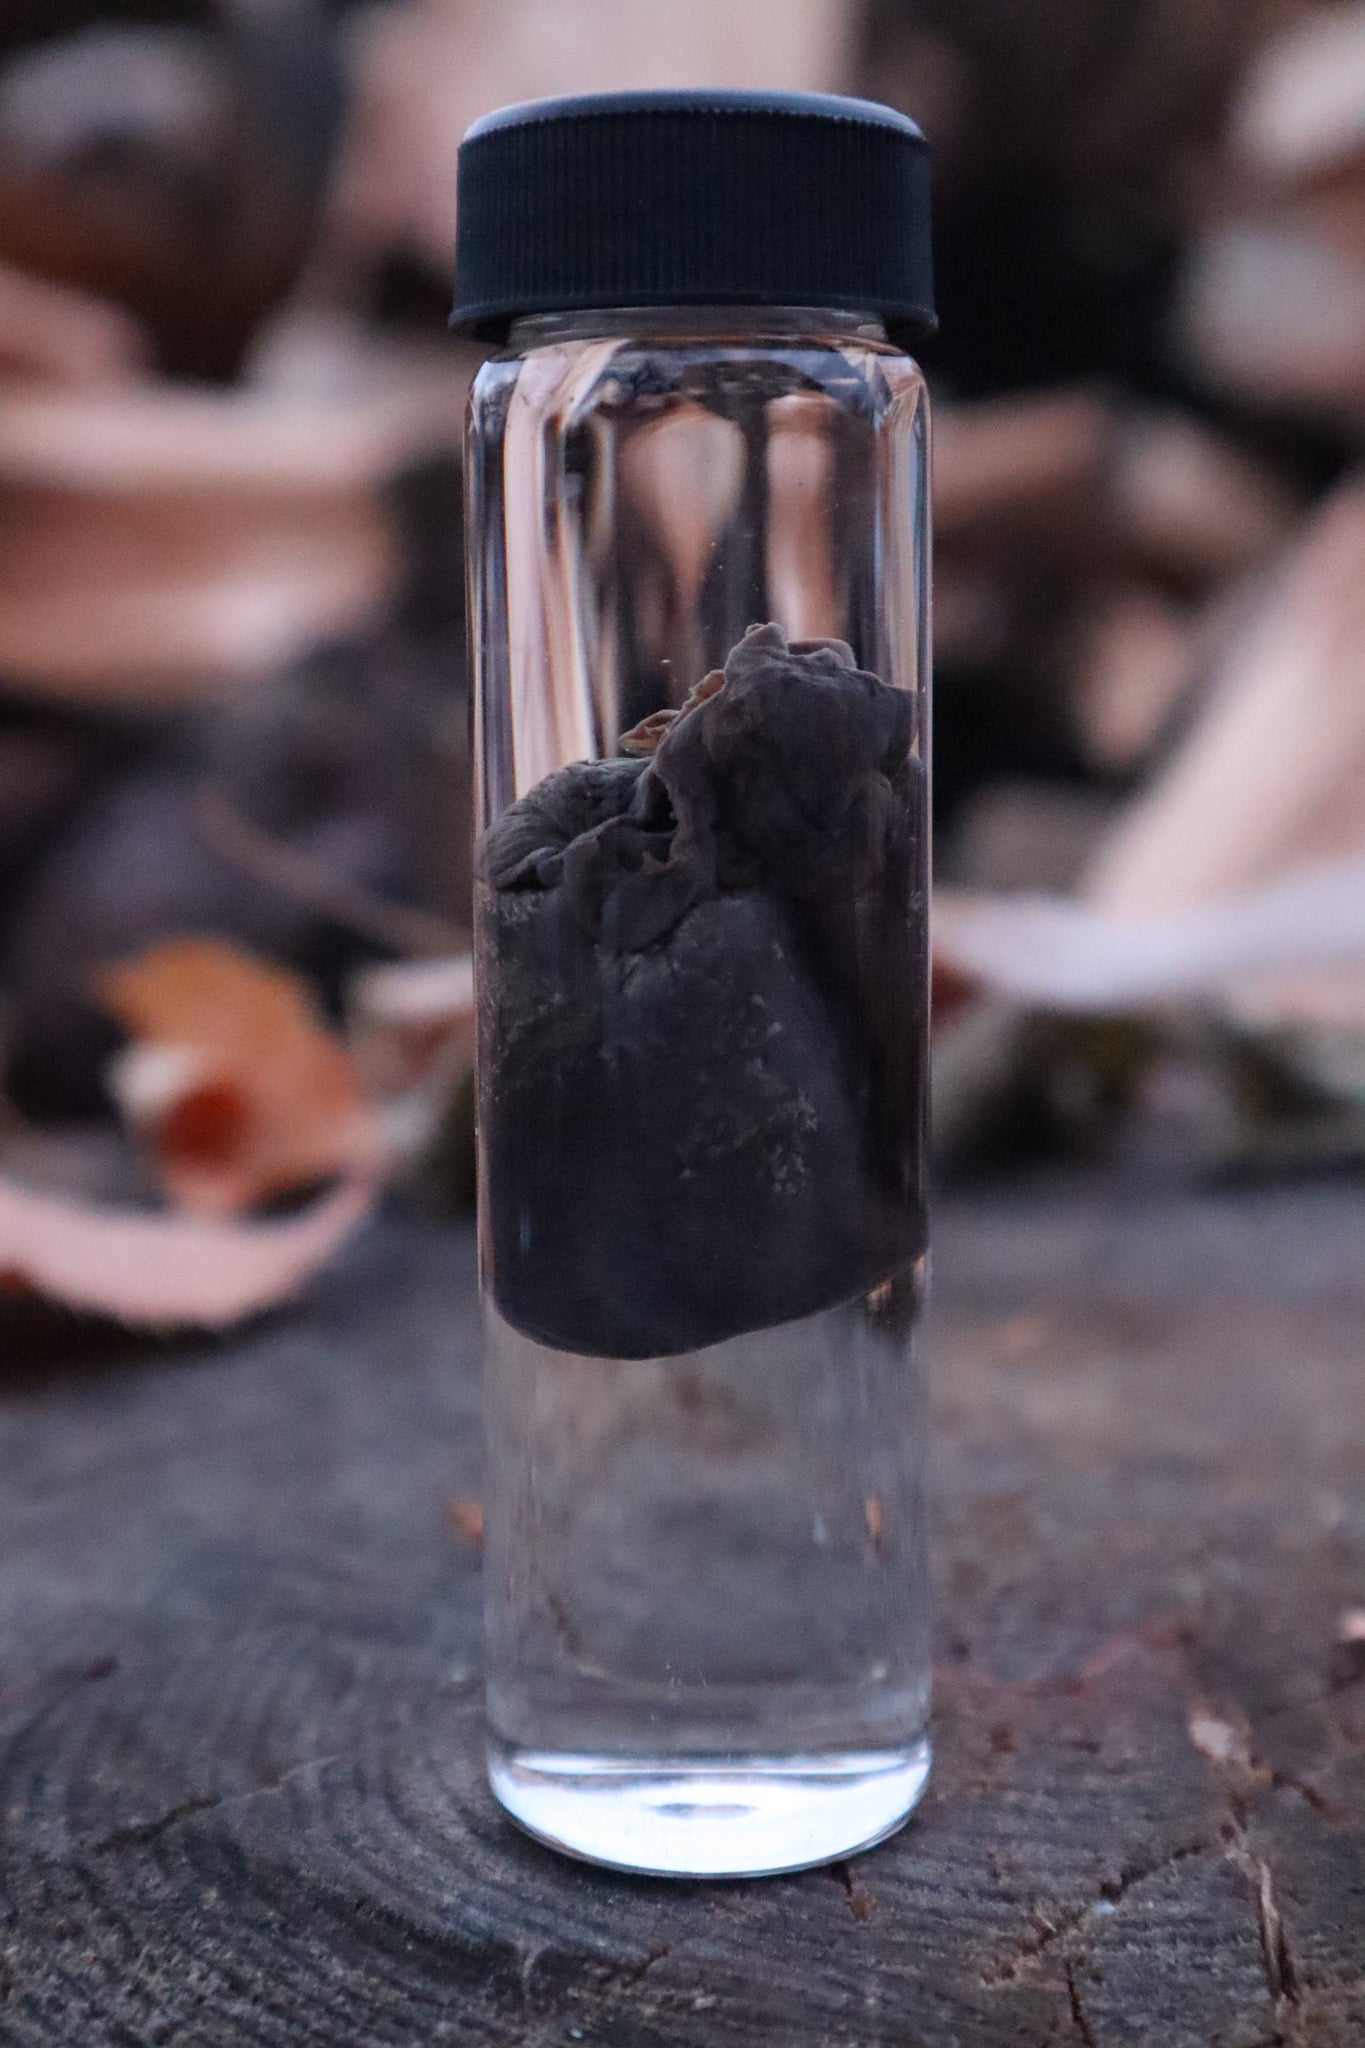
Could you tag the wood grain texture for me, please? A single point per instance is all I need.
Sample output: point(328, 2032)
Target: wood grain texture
point(241, 1799)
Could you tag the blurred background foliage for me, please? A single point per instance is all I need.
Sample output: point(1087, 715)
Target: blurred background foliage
point(234, 770)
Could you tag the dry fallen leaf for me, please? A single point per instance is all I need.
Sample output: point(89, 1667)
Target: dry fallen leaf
point(166, 542)
point(410, 1033)
point(1272, 773)
point(281, 433)
point(1301, 111)
point(1272, 309)
point(1137, 656)
point(149, 1269)
point(1237, 878)
point(1005, 461)
point(234, 1082)
point(1056, 953)
point(1191, 502)
point(54, 334)
point(150, 598)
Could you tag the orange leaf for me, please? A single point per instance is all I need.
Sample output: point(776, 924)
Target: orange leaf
point(235, 1082)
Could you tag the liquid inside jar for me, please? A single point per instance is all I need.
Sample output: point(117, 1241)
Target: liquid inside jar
point(702, 969)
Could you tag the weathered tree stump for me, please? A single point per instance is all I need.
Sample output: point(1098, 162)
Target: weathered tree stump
point(241, 1796)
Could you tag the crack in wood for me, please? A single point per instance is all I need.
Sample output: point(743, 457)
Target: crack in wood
point(1280, 1972)
point(1242, 1774)
point(631, 1973)
point(1032, 1946)
point(1133, 1875)
point(1084, 2031)
point(141, 1832)
point(1252, 1768)
point(137, 1834)
point(1321, 1805)
point(1112, 1891)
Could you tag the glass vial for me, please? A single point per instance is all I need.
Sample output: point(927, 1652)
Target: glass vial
point(698, 552)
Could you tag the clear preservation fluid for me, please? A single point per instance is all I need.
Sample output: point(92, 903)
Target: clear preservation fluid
point(699, 587)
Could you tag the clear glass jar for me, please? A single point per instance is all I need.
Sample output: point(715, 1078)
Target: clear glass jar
point(701, 955)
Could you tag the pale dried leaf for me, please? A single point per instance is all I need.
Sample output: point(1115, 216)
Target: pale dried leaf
point(158, 598)
point(1189, 501)
point(1321, 1010)
point(1060, 954)
point(54, 334)
point(148, 1269)
point(1301, 111)
point(1004, 460)
point(1274, 310)
point(1273, 772)
point(166, 542)
point(161, 437)
point(1138, 655)
point(415, 992)
point(410, 1032)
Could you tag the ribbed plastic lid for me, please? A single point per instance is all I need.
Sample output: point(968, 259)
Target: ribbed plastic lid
point(694, 198)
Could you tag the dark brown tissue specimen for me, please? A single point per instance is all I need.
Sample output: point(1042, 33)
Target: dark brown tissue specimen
point(701, 979)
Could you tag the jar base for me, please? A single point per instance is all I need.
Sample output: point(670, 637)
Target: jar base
point(709, 1816)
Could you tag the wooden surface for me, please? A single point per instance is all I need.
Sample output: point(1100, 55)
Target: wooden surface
point(240, 1792)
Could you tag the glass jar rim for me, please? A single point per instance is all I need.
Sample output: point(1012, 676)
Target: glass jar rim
point(696, 322)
